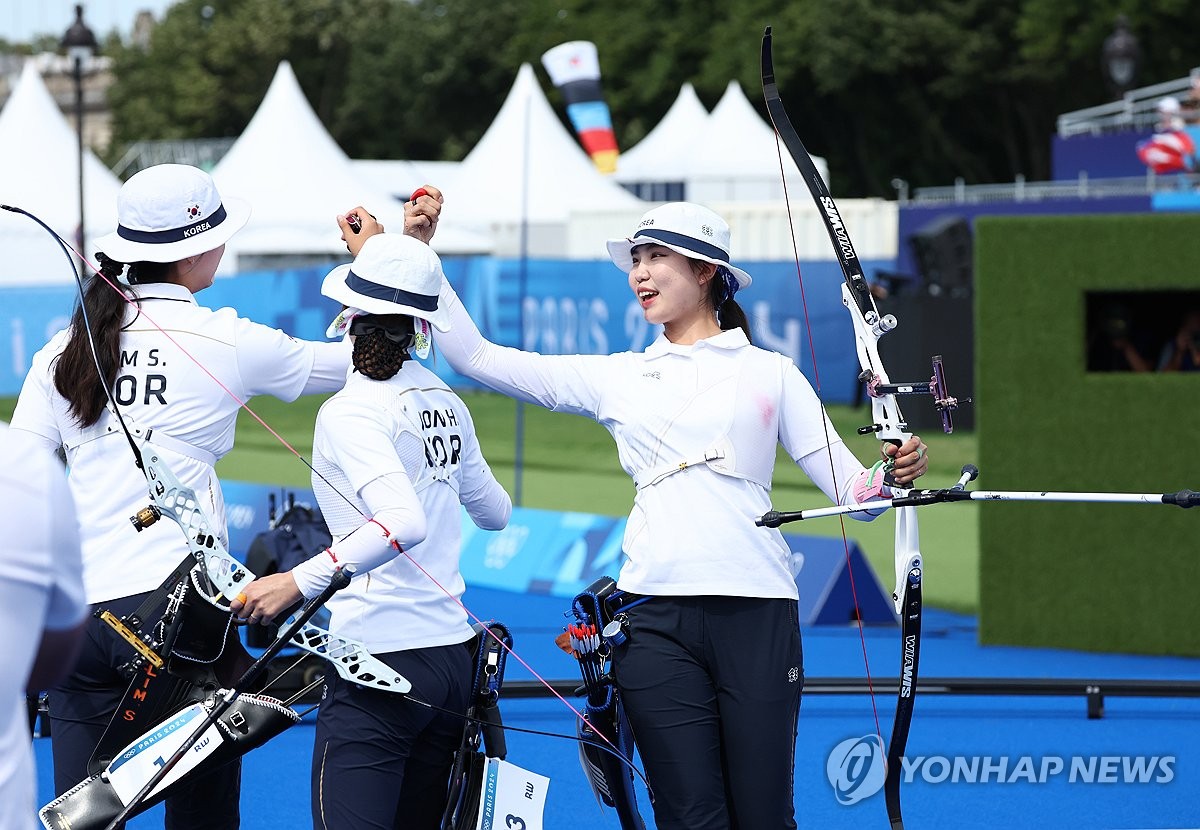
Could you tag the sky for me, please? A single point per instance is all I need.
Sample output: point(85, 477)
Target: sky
point(20, 20)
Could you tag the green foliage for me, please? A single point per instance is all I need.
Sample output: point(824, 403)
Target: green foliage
point(925, 90)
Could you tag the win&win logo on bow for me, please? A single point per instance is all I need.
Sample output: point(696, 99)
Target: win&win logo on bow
point(856, 768)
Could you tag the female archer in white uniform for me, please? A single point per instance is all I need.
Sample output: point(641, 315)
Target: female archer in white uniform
point(711, 673)
point(155, 347)
point(395, 455)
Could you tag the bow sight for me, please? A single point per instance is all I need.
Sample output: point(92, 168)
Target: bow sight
point(936, 387)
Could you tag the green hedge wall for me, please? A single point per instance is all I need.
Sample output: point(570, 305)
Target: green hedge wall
point(1113, 578)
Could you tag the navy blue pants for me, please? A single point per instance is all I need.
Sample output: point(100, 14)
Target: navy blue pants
point(711, 686)
point(81, 708)
point(382, 760)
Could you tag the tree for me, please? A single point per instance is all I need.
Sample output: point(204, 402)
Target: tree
point(924, 90)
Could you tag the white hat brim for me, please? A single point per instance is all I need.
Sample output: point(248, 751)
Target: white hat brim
point(115, 246)
point(621, 253)
point(334, 287)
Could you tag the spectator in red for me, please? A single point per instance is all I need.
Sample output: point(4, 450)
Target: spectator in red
point(1171, 149)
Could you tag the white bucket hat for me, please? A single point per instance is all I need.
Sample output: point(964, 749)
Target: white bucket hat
point(393, 274)
point(686, 228)
point(169, 212)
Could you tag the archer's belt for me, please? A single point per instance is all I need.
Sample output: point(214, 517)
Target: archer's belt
point(620, 601)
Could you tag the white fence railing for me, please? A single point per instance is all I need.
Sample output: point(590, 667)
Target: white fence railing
point(1136, 110)
point(1081, 188)
point(198, 152)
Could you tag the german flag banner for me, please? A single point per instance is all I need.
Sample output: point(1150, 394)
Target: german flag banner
point(574, 68)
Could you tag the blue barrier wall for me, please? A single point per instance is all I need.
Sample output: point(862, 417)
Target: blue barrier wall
point(1110, 155)
point(1105, 156)
point(567, 307)
point(914, 217)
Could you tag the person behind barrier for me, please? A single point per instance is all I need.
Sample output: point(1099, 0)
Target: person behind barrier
point(149, 337)
point(1182, 352)
point(1117, 342)
point(711, 672)
point(41, 591)
point(1169, 118)
point(394, 455)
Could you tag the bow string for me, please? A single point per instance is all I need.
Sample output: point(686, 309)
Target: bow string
point(169, 496)
point(888, 424)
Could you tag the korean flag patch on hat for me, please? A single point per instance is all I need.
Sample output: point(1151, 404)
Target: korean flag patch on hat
point(169, 212)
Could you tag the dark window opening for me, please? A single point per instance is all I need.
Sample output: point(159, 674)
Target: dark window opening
point(1143, 331)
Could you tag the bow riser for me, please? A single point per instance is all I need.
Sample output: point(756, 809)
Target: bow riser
point(179, 502)
point(889, 424)
point(908, 556)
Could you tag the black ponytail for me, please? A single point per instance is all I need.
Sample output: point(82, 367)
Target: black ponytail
point(75, 375)
point(729, 314)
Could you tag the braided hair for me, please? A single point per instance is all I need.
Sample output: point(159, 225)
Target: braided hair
point(381, 344)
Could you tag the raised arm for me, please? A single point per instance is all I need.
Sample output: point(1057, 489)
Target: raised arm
point(564, 383)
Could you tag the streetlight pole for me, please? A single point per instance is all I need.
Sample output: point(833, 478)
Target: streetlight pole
point(1121, 58)
point(80, 44)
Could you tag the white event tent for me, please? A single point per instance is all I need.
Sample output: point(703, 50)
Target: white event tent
point(400, 177)
point(525, 178)
point(297, 179)
point(39, 172)
point(727, 159)
point(662, 157)
point(736, 160)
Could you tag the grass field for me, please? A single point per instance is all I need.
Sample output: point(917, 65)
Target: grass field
point(570, 464)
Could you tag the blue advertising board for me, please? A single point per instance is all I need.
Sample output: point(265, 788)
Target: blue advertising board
point(549, 306)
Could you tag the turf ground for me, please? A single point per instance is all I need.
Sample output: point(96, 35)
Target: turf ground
point(569, 463)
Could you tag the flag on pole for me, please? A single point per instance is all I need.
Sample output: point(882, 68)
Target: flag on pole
point(1171, 152)
point(574, 68)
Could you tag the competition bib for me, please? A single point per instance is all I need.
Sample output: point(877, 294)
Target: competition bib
point(511, 798)
point(133, 768)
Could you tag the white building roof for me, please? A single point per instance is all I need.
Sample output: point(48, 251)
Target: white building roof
point(527, 168)
point(664, 154)
point(737, 160)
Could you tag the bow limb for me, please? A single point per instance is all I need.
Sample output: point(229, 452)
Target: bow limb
point(170, 497)
point(888, 423)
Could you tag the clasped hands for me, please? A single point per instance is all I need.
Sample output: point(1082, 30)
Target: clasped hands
point(420, 220)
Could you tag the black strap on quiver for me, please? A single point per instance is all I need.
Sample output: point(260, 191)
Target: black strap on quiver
point(483, 735)
point(194, 635)
point(610, 775)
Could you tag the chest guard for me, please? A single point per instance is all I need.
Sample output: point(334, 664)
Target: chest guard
point(761, 371)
